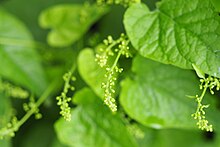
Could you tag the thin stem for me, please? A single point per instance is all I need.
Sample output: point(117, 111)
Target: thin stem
point(45, 95)
point(116, 60)
point(201, 96)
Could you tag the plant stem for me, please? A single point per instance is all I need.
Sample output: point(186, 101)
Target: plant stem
point(18, 124)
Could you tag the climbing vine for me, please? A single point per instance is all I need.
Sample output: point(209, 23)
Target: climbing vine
point(94, 70)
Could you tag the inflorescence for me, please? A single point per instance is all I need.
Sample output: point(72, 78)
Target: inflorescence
point(114, 48)
point(31, 108)
point(13, 91)
point(63, 99)
point(121, 2)
point(210, 83)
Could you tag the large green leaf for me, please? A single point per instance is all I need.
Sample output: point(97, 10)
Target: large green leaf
point(93, 125)
point(177, 137)
point(19, 63)
point(156, 97)
point(178, 32)
point(216, 4)
point(90, 71)
point(69, 22)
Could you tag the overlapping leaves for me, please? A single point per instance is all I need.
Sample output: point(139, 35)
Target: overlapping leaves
point(156, 97)
point(92, 124)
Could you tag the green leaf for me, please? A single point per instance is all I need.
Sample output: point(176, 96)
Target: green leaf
point(216, 4)
point(177, 137)
point(90, 71)
point(92, 125)
point(20, 63)
point(199, 73)
point(56, 143)
point(29, 15)
point(180, 33)
point(69, 22)
point(156, 96)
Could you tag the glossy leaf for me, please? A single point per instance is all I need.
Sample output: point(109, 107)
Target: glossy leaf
point(180, 33)
point(156, 97)
point(20, 62)
point(92, 125)
point(69, 22)
point(90, 71)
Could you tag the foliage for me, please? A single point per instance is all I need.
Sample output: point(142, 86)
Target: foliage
point(127, 82)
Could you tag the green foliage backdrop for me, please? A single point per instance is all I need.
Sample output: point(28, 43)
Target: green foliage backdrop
point(109, 73)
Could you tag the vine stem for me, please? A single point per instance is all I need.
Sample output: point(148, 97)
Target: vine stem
point(202, 95)
point(111, 70)
point(204, 90)
point(45, 95)
point(113, 66)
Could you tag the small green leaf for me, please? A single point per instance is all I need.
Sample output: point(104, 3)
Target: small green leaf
point(199, 72)
point(178, 32)
point(91, 71)
point(93, 125)
point(69, 22)
point(19, 63)
point(156, 96)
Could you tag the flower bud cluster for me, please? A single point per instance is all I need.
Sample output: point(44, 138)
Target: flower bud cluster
point(114, 49)
point(13, 91)
point(206, 83)
point(9, 129)
point(32, 106)
point(63, 99)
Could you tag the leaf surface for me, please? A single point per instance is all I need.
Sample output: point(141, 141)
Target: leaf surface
point(69, 22)
point(180, 33)
point(156, 96)
point(19, 62)
point(92, 125)
point(90, 71)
